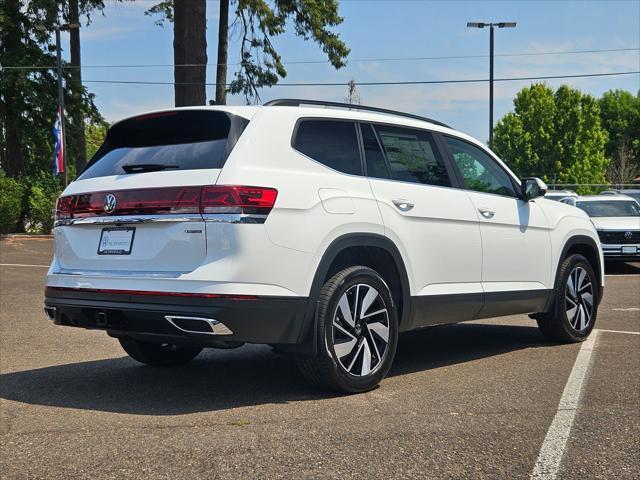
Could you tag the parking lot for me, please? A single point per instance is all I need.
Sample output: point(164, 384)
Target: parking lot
point(473, 400)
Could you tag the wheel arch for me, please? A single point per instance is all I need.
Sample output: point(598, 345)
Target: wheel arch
point(587, 247)
point(336, 256)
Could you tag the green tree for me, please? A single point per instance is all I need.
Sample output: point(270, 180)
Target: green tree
point(620, 116)
point(10, 202)
point(95, 134)
point(28, 104)
point(259, 22)
point(555, 135)
point(42, 194)
point(28, 97)
point(73, 11)
point(525, 137)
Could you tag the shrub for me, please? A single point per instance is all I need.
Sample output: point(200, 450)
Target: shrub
point(41, 203)
point(11, 192)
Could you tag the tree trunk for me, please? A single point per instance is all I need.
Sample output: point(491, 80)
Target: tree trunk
point(76, 132)
point(190, 48)
point(223, 44)
point(12, 155)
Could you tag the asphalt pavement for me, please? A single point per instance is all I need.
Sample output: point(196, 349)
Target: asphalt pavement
point(472, 400)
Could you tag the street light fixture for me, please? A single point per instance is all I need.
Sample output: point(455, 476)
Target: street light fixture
point(491, 26)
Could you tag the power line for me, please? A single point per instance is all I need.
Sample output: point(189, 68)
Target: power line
point(417, 82)
point(308, 62)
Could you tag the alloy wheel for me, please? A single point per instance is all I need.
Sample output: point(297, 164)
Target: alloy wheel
point(360, 333)
point(579, 299)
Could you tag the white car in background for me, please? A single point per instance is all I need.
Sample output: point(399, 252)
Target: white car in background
point(617, 220)
point(558, 195)
point(631, 193)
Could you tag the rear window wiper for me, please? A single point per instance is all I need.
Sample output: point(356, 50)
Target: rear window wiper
point(148, 167)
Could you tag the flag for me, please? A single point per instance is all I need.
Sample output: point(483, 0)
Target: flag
point(58, 151)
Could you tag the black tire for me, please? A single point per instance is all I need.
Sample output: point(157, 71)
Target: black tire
point(329, 370)
point(158, 354)
point(561, 324)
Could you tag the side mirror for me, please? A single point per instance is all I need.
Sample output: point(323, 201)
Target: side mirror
point(533, 188)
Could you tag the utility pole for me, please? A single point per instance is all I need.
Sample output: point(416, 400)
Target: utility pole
point(58, 27)
point(61, 105)
point(491, 26)
point(491, 87)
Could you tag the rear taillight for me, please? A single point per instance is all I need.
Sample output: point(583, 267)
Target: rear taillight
point(237, 199)
point(218, 199)
point(64, 207)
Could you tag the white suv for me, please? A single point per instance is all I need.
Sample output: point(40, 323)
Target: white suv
point(322, 231)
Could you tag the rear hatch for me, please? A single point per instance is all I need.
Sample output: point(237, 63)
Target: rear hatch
point(136, 208)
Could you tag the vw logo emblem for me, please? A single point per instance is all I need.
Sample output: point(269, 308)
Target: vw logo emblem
point(110, 203)
point(628, 235)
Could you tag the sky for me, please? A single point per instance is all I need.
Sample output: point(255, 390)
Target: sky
point(387, 29)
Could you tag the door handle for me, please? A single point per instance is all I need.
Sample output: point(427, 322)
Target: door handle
point(402, 204)
point(486, 213)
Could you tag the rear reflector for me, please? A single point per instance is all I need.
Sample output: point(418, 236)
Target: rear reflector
point(217, 199)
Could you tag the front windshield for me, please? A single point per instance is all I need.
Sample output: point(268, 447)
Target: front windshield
point(610, 208)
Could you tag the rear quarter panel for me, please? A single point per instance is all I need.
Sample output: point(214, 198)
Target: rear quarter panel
point(299, 221)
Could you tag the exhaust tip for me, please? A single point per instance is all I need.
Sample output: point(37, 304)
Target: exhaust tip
point(50, 312)
point(200, 325)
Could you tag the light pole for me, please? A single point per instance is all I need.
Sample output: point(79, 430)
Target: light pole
point(66, 26)
point(491, 26)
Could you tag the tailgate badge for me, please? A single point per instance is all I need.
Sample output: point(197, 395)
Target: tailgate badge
point(110, 203)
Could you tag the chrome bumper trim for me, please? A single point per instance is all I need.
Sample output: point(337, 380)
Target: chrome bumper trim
point(136, 219)
point(122, 219)
point(118, 273)
point(616, 249)
point(234, 218)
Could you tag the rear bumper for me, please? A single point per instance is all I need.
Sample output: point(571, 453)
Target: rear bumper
point(269, 320)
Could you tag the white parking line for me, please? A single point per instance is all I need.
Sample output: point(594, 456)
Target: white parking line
point(22, 265)
point(550, 458)
point(632, 309)
point(619, 331)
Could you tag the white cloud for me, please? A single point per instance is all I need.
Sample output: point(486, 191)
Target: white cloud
point(99, 33)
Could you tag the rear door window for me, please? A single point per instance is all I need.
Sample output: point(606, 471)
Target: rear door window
point(413, 156)
point(333, 143)
point(175, 140)
point(374, 158)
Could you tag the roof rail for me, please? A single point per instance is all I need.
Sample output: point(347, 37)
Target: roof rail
point(296, 102)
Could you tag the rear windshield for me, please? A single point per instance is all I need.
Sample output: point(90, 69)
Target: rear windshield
point(176, 140)
point(610, 208)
